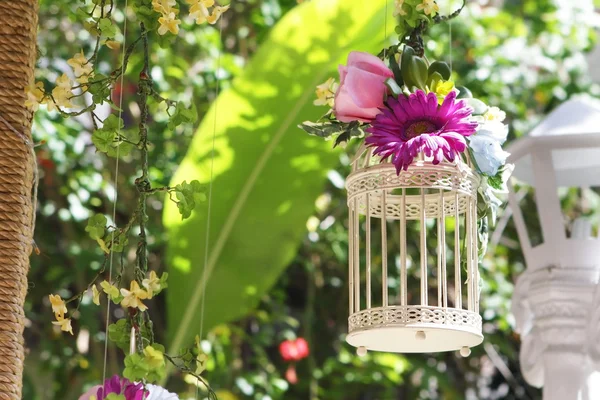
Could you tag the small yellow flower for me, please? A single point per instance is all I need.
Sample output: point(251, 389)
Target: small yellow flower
point(59, 308)
point(326, 93)
point(201, 361)
point(429, 7)
point(64, 323)
point(112, 44)
point(64, 82)
point(442, 89)
point(168, 23)
point(199, 12)
point(153, 357)
point(95, 295)
point(399, 10)
point(80, 65)
point(111, 290)
point(35, 95)
point(164, 6)
point(151, 284)
point(216, 14)
point(494, 114)
point(133, 297)
point(62, 98)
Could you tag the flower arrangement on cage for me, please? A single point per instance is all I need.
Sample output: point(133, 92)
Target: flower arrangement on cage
point(406, 107)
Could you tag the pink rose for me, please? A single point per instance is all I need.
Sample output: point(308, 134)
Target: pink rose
point(362, 88)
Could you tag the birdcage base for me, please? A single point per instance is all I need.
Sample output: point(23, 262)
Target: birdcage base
point(414, 329)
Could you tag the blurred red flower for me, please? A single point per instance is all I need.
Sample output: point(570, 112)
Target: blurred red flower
point(294, 350)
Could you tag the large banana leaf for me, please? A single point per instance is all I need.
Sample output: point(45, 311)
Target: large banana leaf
point(267, 173)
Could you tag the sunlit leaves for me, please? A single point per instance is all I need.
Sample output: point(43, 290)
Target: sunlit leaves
point(119, 333)
point(96, 226)
point(149, 366)
point(188, 195)
point(111, 140)
point(107, 27)
point(183, 115)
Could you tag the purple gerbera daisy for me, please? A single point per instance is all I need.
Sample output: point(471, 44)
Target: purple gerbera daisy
point(413, 124)
point(119, 386)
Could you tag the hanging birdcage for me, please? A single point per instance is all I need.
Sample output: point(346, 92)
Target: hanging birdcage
point(413, 292)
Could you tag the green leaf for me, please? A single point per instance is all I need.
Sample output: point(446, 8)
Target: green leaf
point(414, 69)
point(107, 28)
point(119, 333)
point(104, 140)
point(441, 68)
point(109, 139)
point(496, 181)
point(183, 115)
point(136, 368)
point(464, 93)
point(395, 68)
point(267, 174)
point(96, 226)
point(188, 195)
point(393, 86)
point(479, 107)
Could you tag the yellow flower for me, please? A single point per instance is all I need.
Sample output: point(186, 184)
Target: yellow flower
point(201, 360)
point(494, 114)
point(95, 295)
point(399, 10)
point(111, 290)
point(59, 307)
point(80, 65)
point(168, 23)
point(151, 284)
point(64, 323)
point(164, 6)
point(64, 82)
point(442, 89)
point(326, 93)
point(429, 7)
point(154, 358)
point(133, 297)
point(112, 44)
point(200, 12)
point(216, 14)
point(61, 98)
point(35, 95)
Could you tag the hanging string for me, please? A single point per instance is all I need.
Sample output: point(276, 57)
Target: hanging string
point(385, 19)
point(450, 42)
point(210, 185)
point(210, 193)
point(116, 187)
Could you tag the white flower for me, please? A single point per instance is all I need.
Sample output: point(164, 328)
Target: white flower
point(487, 146)
point(488, 153)
point(159, 393)
point(494, 114)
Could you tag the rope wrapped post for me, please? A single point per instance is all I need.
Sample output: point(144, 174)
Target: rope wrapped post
point(18, 27)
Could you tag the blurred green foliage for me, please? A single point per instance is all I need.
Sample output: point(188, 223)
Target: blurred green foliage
point(525, 56)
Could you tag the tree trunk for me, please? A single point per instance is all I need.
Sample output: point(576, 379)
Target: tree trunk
point(18, 28)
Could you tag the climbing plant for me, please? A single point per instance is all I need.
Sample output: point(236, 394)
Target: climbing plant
point(89, 87)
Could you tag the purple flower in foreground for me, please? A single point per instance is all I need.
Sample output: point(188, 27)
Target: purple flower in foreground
point(413, 124)
point(116, 385)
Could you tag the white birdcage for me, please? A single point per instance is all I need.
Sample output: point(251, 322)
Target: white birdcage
point(440, 201)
